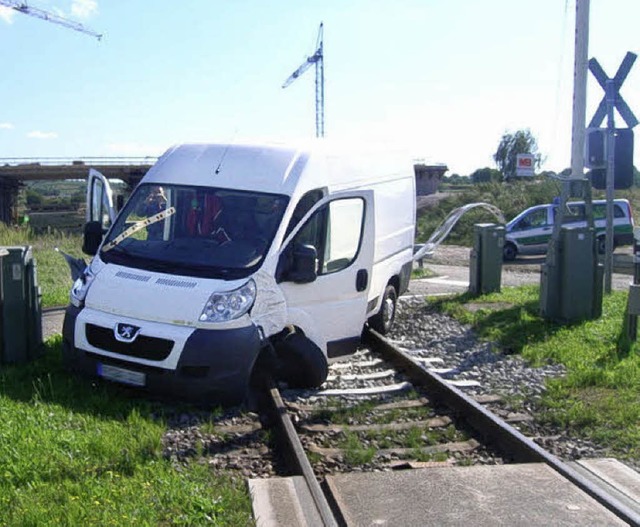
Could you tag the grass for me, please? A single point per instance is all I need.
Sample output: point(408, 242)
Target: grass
point(355, 453)
point(53, 273)
point(599, 398)
point(73, 452)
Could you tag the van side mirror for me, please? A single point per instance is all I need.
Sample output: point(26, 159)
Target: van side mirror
point(92, 237)
point(304, 265)
point(301, 266)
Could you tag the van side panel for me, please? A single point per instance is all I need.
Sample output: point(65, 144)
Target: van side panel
point(395, 233)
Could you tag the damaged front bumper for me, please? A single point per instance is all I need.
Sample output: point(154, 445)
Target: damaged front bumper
point(214, 366)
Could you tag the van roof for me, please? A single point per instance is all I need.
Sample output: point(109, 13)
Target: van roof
point(274, 168)
point(248, 167)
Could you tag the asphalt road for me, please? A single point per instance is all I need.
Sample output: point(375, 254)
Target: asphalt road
point(455, 278)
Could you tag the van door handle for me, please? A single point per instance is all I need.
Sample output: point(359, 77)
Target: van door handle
point(362, 280)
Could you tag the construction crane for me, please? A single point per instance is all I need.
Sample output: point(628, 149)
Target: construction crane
point(23, 7)
point(318, 59)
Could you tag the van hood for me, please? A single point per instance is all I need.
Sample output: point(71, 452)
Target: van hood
point(179, 300)
point(152, 296)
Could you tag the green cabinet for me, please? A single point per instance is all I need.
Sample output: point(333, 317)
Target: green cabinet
point(571, 287)
point(485, 270)
point(21, 306)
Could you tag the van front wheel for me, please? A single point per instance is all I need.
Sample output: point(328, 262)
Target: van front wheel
point(382, 321)
point(509, 252)
point(301, 364)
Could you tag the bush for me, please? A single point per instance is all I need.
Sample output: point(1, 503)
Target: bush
point(510, 198)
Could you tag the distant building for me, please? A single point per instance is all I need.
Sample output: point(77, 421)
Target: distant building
point(428, 177)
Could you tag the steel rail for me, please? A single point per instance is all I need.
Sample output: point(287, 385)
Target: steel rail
point(297, 455)
point(491, 427)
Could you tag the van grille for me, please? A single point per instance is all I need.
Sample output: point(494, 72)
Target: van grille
point(143, 347)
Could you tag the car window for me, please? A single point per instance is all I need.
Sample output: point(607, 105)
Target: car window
point(574, 214)
point(536, 218)
point(600, 211)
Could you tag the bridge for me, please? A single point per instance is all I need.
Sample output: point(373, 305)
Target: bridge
point(14, 171)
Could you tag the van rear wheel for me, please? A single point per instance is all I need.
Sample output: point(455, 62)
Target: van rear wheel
point(383, 320)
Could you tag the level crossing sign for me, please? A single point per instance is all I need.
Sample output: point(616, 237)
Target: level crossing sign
point(611, 89)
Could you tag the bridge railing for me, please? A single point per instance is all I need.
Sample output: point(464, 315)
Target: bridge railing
point(88, 161)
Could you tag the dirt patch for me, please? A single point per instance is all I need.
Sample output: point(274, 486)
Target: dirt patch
point(431, 200)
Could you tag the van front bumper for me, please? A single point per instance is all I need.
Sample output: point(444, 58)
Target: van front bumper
point(214, 367)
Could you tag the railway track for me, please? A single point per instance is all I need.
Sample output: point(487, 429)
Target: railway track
point(419, 419)
point(381, 410)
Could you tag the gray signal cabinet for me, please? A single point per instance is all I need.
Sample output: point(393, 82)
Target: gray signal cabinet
point(571, 289)
point(21, 306)
point(485, 269)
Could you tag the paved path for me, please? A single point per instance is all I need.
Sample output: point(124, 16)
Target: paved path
point(455, 279)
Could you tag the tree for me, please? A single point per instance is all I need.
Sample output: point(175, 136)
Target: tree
point(512, 144)
point(485, 175)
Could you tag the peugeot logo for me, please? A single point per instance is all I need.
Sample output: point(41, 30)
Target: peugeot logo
point(126, 332)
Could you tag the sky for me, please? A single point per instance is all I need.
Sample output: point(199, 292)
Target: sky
point(444, 79)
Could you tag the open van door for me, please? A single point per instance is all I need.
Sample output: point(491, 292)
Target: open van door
point(99, 200)
point(100, 212)
point(325, 269)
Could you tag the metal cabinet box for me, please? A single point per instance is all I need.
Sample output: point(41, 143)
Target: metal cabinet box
point(485, 271)
point(21, 311)
point(571, 290)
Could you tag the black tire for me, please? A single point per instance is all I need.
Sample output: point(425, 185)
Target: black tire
point(382, 321)
point(601, 244)
point(301, 364)
point(509, 252)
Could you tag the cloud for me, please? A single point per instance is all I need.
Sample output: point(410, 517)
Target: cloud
point(7, 14)
point(37, 134)
point(84, 8)
point(6, 126)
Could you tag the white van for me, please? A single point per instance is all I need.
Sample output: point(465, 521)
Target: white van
point(227, 259)
point(530, 231)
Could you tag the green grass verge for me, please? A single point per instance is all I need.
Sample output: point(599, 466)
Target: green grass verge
point(53, 273)
point(599, 398)
point(74, 452)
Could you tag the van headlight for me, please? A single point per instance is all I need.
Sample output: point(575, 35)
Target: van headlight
point(229, 305)
point(80, 287)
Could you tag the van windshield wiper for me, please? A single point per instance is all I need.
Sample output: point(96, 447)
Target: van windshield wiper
point(139, 225)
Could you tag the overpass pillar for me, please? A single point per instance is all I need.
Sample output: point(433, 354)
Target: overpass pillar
point(9, 188)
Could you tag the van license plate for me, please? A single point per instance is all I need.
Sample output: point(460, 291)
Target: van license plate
point(113, 373)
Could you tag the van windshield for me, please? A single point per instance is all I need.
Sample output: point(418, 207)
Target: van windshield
point(194, 231)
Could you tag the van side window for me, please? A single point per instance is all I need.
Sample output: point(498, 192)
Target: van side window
point(336, 232)
point(304, 205)
point(99, 204)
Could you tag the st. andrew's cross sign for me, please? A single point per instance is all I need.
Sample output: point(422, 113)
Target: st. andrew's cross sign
point(611, 89)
